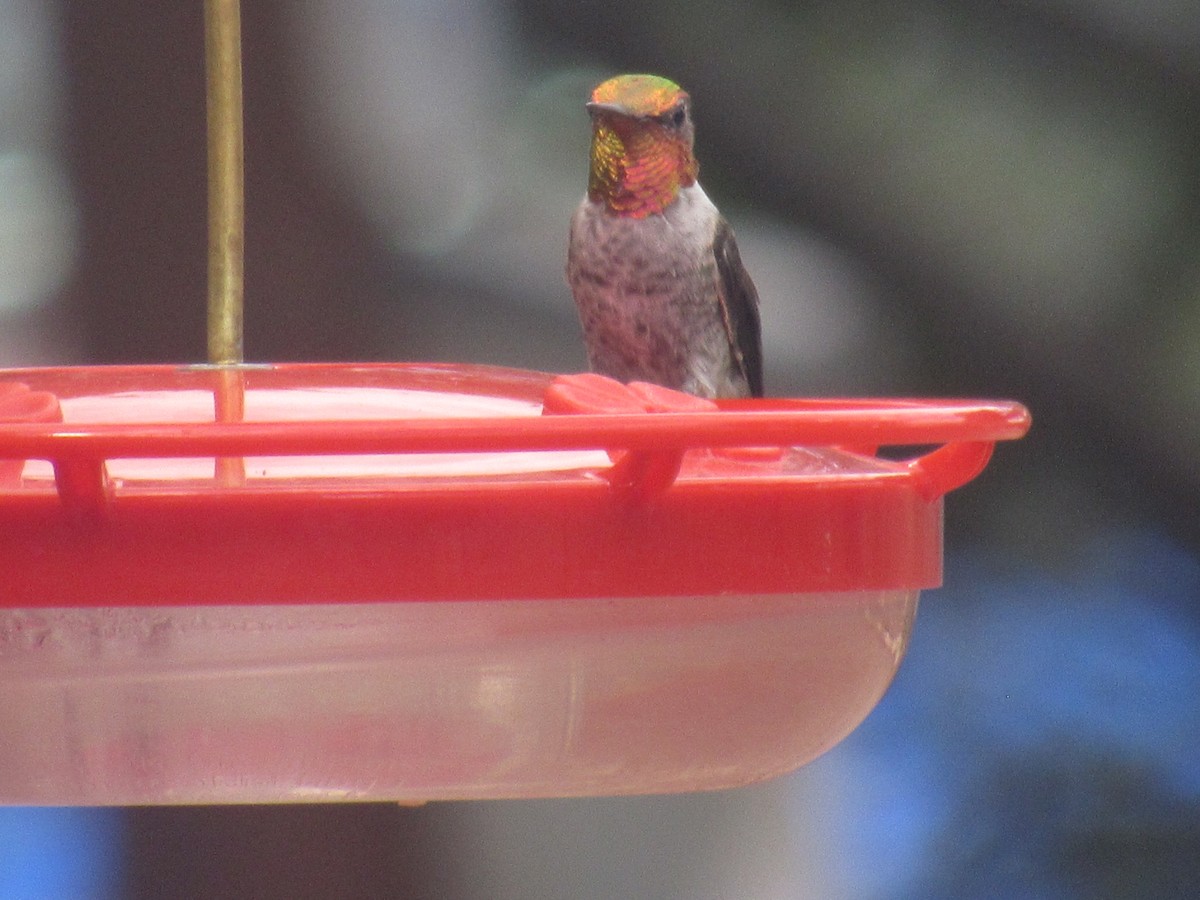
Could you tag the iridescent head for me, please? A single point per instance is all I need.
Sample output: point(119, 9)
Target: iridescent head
point(641, 144)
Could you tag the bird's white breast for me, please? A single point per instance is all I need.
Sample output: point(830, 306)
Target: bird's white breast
point(647, 292)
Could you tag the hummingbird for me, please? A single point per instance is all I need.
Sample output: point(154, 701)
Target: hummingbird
point(654, 268)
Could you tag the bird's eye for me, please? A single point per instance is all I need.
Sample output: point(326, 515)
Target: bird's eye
point(673, 118)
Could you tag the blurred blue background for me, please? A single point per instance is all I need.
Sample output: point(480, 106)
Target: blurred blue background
point(934, 197)
point(60, 853)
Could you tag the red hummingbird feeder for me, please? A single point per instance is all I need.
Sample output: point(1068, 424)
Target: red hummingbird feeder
point(278, 583)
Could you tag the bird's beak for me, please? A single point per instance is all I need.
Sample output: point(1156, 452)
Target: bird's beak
point(613, 109)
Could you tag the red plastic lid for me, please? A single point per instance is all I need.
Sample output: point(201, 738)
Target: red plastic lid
point(158, 485)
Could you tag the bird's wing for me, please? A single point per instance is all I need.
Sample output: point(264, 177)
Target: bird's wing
point(739, 307)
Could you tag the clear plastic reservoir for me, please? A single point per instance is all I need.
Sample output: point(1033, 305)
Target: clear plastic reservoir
point(314, 583)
